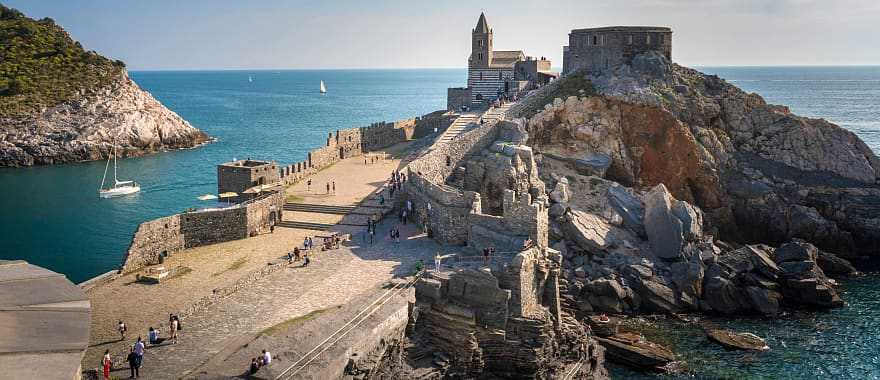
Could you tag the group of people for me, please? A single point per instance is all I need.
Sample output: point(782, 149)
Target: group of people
point(135, 356)
point(256, 363)
point(370, 231)
point(330, 186)
point(297, 255)
point(396, 182)
point(394, 234)
point(488, 252)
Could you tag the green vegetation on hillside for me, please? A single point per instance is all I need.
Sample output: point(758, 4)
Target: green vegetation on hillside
point(41, 66)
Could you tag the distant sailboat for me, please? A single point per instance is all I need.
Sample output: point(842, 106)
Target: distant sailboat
point(250, 78)
point(323, 88)
point(119, 188)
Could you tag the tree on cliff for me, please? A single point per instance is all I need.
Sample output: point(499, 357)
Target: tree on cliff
point(41, 66)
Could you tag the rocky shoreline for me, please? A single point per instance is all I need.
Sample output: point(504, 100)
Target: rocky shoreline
point(665, 192)
point(85, 128)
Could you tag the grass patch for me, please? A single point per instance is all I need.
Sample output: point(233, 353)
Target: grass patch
point(293, 322)
point(293, 198)
point(233, 266)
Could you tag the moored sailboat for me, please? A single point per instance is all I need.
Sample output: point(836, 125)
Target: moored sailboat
point(119, 188)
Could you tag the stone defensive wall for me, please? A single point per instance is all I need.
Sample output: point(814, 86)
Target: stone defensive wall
point(355, 142)
point(156, 239)
point(456, 216)
point(449, 207)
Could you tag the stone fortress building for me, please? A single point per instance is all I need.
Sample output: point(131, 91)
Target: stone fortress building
point(601, 48)
point(496, 73)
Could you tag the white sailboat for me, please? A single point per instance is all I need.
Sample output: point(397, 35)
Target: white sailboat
point(323, 88)
point(250, 78)
point(119, 188)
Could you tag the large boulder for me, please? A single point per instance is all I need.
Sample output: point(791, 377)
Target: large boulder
point(605, 295)
point(628, 207)
point(670, 223)
point(591, 232)
point(803, 282)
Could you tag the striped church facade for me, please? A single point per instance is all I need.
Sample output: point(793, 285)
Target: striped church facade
point(487, 83)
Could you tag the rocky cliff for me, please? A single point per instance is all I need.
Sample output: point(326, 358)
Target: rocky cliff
point(760, 173)
point(85, 128)
point(675, 191)
point(60, 103)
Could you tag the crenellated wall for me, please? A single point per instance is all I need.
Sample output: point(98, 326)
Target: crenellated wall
point(354, 142)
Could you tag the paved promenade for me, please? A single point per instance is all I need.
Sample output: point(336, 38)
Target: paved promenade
point(332, 279)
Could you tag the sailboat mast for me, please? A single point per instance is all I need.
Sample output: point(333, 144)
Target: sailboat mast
point(106, 166)
point(115, 180)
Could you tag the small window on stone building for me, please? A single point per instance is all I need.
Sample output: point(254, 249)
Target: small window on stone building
point(479, 56)
point(629, 40)
point(499, 75)
point(595, 40)
point(480, 43)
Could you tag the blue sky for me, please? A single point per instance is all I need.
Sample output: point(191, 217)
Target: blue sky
point(221, 34)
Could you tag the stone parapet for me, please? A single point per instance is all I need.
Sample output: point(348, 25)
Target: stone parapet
point(156, 239)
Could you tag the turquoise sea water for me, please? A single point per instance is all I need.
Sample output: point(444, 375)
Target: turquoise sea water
point(52, 216)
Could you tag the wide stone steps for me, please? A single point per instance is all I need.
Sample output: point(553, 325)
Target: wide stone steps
point(461, 125)
point(304, 225)
point(318, 208)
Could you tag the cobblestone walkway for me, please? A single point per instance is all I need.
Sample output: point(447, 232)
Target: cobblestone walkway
point(333, 278)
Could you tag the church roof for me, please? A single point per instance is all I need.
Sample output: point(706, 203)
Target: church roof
point(506, 58)
point(482, 24)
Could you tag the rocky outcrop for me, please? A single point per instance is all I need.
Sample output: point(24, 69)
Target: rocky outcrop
point(503, 321)
point(759, 173)
point(85, 128)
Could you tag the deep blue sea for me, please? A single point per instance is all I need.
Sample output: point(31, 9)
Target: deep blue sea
point(51, 216)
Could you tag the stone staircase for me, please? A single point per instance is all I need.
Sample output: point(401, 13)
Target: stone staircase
point(304, 225)
point(469, 121)
point(462, 124)
point(319, 208)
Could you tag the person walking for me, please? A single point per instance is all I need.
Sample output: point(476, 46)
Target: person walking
point(328, 187)
point(255, 366)
point(122, 329)
point(334, 187)
point(306, 260)
point(437, 261)
point(175, 325)
point(138, 350)
point(267, 357)
point(106, 363)
point(132, 360)
point(311, 244)
point(309, 185)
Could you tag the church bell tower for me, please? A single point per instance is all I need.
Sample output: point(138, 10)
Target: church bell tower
point(481, 44)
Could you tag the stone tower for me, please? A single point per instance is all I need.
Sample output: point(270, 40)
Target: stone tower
point(481, 44)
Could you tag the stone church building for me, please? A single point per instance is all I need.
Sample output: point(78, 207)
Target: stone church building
point(494, 73)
